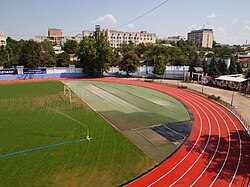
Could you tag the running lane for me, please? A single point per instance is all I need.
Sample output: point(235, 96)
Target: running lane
point(217, 152)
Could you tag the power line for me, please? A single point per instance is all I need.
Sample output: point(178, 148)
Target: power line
point(139, 17)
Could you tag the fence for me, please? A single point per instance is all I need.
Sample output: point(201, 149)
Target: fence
point(247, 126)
point(171, 72)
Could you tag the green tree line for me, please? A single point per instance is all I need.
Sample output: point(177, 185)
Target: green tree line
point(96, 56)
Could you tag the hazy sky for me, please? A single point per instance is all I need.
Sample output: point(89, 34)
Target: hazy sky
point(230, 19)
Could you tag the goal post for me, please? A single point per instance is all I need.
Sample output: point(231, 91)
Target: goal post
point(67, 92)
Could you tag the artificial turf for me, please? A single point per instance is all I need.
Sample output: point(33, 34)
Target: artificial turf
point(128, 106)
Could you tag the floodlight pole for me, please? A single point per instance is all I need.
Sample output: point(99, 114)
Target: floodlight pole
point(232, 99)
point(154, 69)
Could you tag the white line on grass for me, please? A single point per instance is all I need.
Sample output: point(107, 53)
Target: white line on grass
point(88, 135)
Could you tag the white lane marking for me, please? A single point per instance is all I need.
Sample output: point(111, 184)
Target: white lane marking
point(187, 153)
point(236, 170)
point(218, 143)
point(197, 159)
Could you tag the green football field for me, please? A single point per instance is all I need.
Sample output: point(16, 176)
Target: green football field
point(43, 141)
point(133, 111)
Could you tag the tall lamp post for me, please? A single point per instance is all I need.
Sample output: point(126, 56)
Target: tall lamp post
point(154, 70)
point(232, 95)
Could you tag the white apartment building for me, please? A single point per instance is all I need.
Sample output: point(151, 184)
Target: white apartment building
point(117, 38)
point(2, 39)
point(202, 37)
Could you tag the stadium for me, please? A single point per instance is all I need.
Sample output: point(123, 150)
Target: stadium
point(115, 132)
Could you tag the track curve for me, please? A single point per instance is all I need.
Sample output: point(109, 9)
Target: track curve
point(217, 153)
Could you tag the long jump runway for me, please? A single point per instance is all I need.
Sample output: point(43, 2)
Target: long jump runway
point(217, 153)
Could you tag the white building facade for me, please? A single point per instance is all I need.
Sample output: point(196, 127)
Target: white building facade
point(117, 38)
point(2, 39)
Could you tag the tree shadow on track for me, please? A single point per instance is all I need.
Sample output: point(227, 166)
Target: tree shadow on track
point(232, 159)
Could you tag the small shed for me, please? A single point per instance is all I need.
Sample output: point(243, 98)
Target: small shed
point(196, 73)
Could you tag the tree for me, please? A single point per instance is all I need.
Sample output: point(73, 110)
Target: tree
point(222, 51)
point(117, 57)
point(3, 55)
point(213, 69)
point(232, 66)
point(130, 62)
point(222, 66)
point(239, 68)
point(88, 56)
point(125, 48)
point(105, 54)
point(205, 66)
point(13, 49)
point(30, 54)
point(160, 65)
point(247, 74)
point(95, 54)
point(63, 59)
point(47, 55)
point(71, 46)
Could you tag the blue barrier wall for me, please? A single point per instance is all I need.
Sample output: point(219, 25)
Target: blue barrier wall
point(40, 76)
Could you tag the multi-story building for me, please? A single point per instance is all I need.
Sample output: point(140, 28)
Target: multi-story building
point(52, 32)
point(55, 35)
point(117, 38)
point(2, 39)
point(202, 37)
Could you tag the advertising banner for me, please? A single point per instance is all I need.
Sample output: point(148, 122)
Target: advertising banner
point(8, 71)
point(34, 71)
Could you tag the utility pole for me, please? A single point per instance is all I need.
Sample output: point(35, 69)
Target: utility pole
point(154, 69)
point(232, 95)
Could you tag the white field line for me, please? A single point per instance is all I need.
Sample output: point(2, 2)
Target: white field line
point(201, 122)
point(111, 104)
point(122, 104)
point(72, 119)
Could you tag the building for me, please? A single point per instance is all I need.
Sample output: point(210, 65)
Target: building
point(56, 36)
point(2, 39)
point(244, 60)
point(202, 37)
point(175, 38)
point(117, 38)
point(52, 32)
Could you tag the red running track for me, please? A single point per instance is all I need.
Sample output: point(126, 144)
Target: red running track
point(217, 153)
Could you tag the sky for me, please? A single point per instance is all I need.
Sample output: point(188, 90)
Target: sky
point(25, 19)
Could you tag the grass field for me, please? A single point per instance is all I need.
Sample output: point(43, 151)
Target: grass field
point(37, 114)
point(134, 110)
